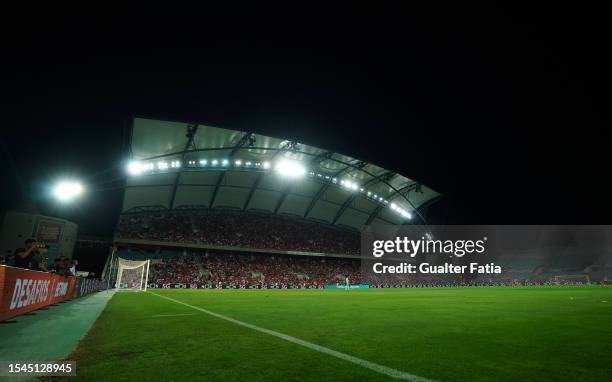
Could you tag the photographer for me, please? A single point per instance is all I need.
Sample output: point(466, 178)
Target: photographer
point(23, 256)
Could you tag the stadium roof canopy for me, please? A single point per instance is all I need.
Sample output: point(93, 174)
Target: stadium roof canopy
point(176, 165)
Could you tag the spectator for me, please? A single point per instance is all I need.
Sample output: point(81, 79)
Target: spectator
point(56, 265)
point(73, 271)
point(62, 265)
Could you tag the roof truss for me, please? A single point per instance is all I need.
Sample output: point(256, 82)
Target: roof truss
point(381, 178)
point(403, 192)
point(191, 132)
point(291, 146)
point(325, 186)
point(245, 140)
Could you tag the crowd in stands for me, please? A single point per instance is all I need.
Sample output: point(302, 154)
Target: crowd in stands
point(228, 228)
point(240, 270)
point(234, 269)
point(239, 229)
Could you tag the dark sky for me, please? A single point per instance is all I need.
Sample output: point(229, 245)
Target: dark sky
point(503, 112)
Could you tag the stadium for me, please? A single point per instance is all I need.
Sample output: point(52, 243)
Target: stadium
point(282, 193)
point(238, 256)
point(240, 193)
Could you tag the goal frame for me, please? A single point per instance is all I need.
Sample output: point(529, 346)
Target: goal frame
point(119, 265)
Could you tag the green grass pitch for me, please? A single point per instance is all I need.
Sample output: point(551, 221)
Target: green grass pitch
point(445, 334)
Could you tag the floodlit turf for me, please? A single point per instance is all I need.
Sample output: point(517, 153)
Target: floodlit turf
point(449, 334)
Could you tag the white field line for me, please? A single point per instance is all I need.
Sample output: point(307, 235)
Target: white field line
point(349, 358)
point(173, 315)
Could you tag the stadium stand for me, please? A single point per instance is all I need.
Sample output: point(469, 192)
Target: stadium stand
point(239, 229)
point(180, 268)
point(247, 270)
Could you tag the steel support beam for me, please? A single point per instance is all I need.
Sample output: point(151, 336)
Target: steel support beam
point(315, 160)
point(241, 143)
point(397, 193)
point(373, 215)
point(381, 178)
point(191, 132)
point(357, 166)
point(260, 177)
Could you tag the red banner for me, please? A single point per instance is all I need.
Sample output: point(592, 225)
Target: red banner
point(23, 290)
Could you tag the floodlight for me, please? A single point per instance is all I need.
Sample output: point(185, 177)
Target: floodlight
point(203, 162)
point(67, 190)
point(238, 163)
point(224, 162)
point(135, 168)
point(248, 164)
point(348, 184)
point(290, 169)
point(214, 162)
point(402, 212)
point(266, 165)
point(162, 165)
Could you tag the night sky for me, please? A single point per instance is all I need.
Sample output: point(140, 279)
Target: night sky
point(503, 113)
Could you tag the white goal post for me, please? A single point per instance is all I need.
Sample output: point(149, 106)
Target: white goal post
point(131, 274)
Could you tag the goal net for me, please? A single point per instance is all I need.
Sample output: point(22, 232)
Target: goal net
point(573, 279)
point(132, 275)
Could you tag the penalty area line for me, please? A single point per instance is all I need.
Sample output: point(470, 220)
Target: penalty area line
point(398, 374)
